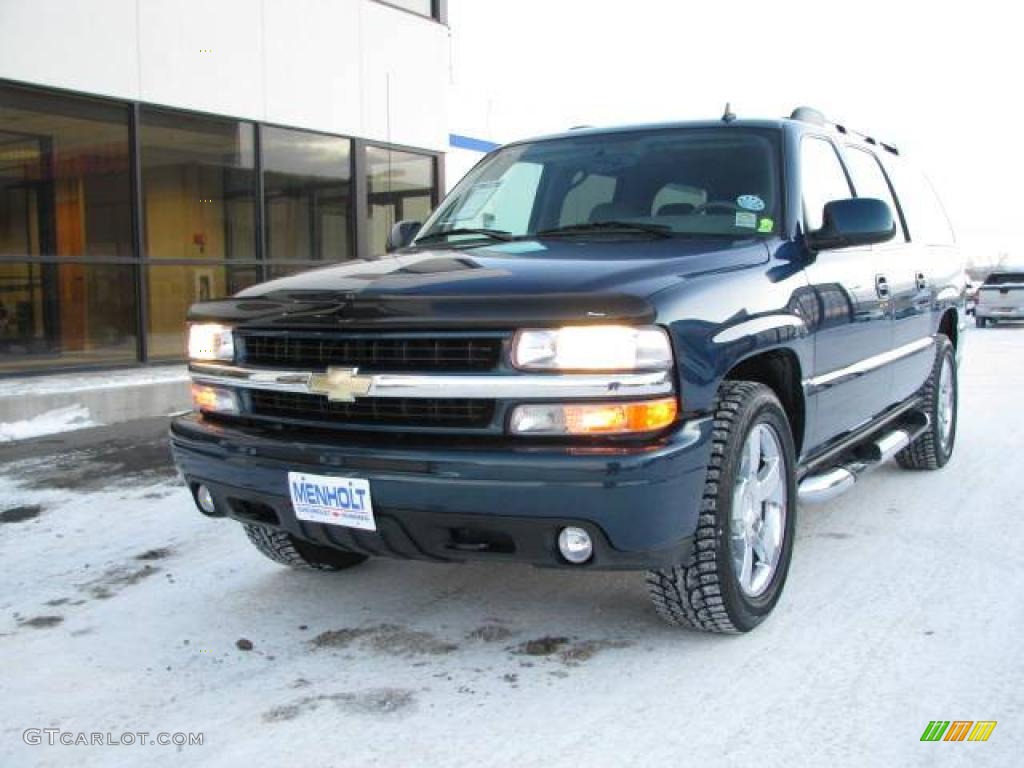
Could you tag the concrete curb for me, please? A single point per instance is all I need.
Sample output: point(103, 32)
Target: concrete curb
point(111, 396)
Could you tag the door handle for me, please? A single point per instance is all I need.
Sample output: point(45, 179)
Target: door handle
point(921, 280)
point(881, 286)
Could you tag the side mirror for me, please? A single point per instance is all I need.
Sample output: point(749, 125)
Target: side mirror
point(857, 221)
point(402, 234)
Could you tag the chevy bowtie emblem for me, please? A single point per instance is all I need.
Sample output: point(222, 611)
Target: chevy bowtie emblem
point(341, 385)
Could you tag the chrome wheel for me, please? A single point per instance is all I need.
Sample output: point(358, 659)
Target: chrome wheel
point(759, 505)
point(947, 403)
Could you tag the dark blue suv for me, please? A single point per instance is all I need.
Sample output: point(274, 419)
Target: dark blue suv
point(634, 348)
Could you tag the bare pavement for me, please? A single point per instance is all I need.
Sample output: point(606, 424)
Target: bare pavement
point(122, 610)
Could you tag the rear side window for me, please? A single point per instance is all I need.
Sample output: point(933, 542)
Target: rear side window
point(822, 179)
point(869, 180)
point(927, 222)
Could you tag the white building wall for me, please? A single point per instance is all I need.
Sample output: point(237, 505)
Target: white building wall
point(352, 67)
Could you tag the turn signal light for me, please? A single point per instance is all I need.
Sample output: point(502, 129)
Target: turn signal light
point(594, 418)
point(214, 399)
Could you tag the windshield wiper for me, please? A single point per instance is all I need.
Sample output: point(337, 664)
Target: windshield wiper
point(493, 234)
point(658, 230)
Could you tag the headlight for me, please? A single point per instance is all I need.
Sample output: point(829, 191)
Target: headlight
point(210, 341)
point(594, 418)
point(592, 348)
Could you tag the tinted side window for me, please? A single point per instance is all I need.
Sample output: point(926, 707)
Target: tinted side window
point(869, 180)
point(822, 179)
point(926, 220)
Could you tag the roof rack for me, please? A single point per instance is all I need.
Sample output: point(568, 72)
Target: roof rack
point(815, 117)
point(808, 115)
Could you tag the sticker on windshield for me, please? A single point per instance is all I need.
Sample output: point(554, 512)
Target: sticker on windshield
point(766, 225)
point(476, 199)
point(750, 202)
point(746, 219)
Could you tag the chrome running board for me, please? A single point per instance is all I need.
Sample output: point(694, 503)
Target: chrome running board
point(817, 489)
point(825, 486)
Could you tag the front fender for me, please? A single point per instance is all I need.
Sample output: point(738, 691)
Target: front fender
point(718, 321)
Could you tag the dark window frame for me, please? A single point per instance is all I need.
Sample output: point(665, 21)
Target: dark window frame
point(262, 200)
point(435, 196)
point(849, 147)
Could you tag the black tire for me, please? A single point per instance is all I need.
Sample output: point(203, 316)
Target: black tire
point(980, 322)
point(283, 548)
point(704, 591)
point(929, 451)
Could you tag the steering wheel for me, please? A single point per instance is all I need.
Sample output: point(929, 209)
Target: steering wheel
point(712, 204)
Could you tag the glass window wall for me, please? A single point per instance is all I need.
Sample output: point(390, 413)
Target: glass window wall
point(401, 187)
point(76, 275)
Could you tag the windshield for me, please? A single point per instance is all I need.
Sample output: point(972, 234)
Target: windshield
point(694, 181)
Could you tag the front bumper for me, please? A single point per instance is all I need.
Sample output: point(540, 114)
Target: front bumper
point(451, 501)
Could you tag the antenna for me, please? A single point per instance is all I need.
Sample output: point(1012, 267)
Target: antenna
point(728, 116)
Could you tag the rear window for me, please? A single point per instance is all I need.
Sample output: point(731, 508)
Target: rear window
point(926, 219)
point(1005, 278)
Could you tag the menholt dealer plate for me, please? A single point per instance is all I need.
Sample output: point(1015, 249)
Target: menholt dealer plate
point(343, 501)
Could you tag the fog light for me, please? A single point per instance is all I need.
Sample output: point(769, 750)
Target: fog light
point(205, 500)
point(575, 545)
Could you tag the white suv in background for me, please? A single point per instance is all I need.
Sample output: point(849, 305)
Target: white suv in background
point(1000, 297)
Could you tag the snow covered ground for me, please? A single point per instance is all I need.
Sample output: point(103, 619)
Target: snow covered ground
point(121, 609)
point(53, 422)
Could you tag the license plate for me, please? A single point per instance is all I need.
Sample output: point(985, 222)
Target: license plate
point(343, 501)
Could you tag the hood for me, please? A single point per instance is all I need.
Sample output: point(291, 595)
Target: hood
point(500, 285)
